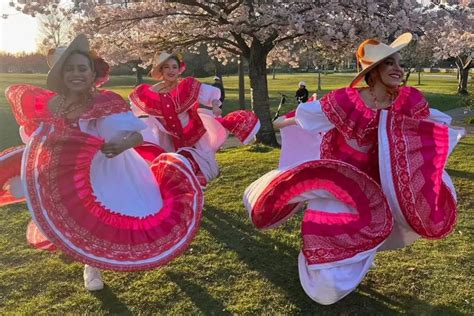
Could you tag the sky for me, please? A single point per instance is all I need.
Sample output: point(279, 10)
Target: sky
point(18, 32)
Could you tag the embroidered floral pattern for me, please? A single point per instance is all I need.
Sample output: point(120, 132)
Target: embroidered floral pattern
point(240, 123)
point(167, 106)
point(418, 154)
point(63, 201)
point(343, 235)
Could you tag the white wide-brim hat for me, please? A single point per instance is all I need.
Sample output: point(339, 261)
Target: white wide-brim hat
point(57, 56)
point(159, 59)
point(371, 52)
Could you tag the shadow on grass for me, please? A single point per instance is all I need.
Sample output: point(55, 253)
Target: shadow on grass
point(110, 302)
point(205, 302)
point(277, 262)
point(409, 304)
point(460, 174)
point(260, 148)
point(255, 248)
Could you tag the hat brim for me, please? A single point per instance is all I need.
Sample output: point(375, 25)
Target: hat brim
point(156, 74)
point(54, 80)
point(399, 43)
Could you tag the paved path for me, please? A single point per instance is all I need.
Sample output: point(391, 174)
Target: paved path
point(459, 115)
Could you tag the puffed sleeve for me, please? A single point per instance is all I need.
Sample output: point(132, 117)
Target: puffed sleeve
point(118, 124)
point(208, 93)
point(311, 117)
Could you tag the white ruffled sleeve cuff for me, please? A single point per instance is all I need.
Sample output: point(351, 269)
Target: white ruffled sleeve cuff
point(208, 93)
point(116, 124)
point(311, 117)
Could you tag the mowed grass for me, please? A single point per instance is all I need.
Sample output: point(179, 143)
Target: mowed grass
point(231, 268)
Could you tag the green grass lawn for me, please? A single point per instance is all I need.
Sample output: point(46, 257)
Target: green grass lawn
point(231, 268)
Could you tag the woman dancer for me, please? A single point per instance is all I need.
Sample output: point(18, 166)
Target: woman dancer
point(177, 124)
point(89, 194)
point(369, 162)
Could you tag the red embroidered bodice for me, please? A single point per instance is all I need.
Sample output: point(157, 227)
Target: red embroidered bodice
point(30, 106)
point(356, 123)
point(167, 106)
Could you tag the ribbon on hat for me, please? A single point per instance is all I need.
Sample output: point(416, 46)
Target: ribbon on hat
point(360, 53)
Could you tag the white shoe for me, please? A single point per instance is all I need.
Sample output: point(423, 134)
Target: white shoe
point(92, 279)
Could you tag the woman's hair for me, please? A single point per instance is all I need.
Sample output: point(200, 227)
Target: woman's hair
point(368, 78)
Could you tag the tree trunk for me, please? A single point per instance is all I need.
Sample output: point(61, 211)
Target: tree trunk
point(259, 94)
point(241, 83)
point(139, 75)
point(319, 82)
point(462, 82)
point(419, 77)
point(273, 72)
point(407, 76)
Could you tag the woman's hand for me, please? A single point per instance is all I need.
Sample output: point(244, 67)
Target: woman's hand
point(112, 149)
point(216, 107)
point(282, 122)
point(116, 146)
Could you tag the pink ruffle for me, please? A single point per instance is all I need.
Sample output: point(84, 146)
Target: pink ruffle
point(10, 168)
point(106, 103)
point(418, 152)
point(59, 161)
point(334, 146)
point(354, 120)
point(29, 105)
point(241, 124)
point(328, 237)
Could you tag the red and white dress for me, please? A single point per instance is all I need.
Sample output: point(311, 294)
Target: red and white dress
point(177, 124)
point(371, 180)
point(118, 213)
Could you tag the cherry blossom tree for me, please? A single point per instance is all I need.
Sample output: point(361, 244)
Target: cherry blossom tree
point(55, 28)
point(418, 54)
point(450, 28)
point(248, 28)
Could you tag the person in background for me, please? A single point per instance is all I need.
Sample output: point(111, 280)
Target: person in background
point(302, 93)
point(218, 84)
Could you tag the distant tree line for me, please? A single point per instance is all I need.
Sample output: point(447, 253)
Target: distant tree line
point(197, 64)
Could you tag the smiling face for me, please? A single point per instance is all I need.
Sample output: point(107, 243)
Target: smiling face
point(77, 73)
point(390, 71)
point(170, 70)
